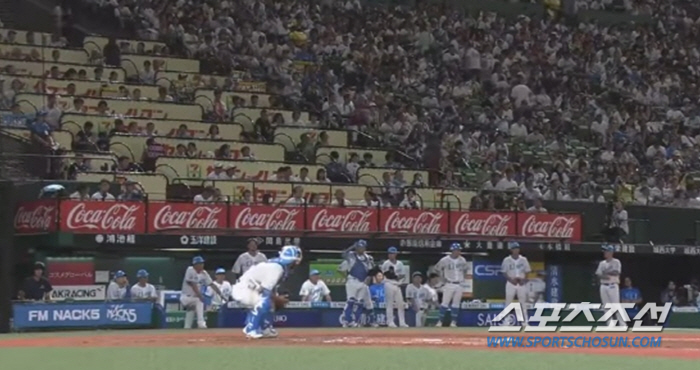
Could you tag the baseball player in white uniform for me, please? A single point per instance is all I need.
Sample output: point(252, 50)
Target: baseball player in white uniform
point(356, 266)
point(515, 269)
point(118, 289)
point(247, 259)
point(224, 288)
point(608, 272)
point(191, 297)
point(143, 291)
point(314, 289)
point(453, 269)
point(394, 272)
point(255, 289)
point(536, 289)
point(420, 297)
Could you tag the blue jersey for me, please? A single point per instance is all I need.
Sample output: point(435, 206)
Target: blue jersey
point(376, 291)
point(630, 294)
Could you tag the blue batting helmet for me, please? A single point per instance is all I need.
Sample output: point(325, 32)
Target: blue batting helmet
point(360, 244)
point(455, 247)
point(314, 272)
point(289, 254)
point(142, 274)
point(392, 250)
point(119, 274)
point(513, 245)
point(608, 248)
point(197, 260)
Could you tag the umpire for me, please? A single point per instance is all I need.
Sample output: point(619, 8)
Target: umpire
point(36, 287)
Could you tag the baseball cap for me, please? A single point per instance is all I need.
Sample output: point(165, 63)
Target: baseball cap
point(142, 274)
point(119, 274)
point(392, 250)
point(314, 272)
point(360, 244)
point(220, 271)
point(608, 248)
point(197, 260)
point(39, 265)
point(417, 273)
point(455, 247)
point(513, 245)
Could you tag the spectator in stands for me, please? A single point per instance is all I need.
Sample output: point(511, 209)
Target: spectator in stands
point(224, 152)
point(183, 132)
point(192, 151)
point(218, 172)
point(133, 129)
point(147, 76)
point(618, 228)
point(41, 132)
point(130, 192)
point(119, 128)
point(15, 118)
point(36, 287)
point(418, 181)
point(103, 108)
point(103, 193)
point(337, 172)
point(98, 74)
point(150, 130)
point(554, 192)
point(537, 206)
point(180, 151)
point(267, 199)
point(630, 294)
point(353, 165)
point(323, 140)
point(78, 106)
point(321, 176)
point(528, 189)
point(263, 128)
point(79, 165)
point(368, 161)
point(163, 95)
point(81, 193)
point(306, 148)
point(52, 112)
point(154, 150)
point(213, 133)
point(410, 200)
point(297, 198)
point(247, 154)
point(669, 295)
point(246, 198)
point(507, 183)
point(207, 195)
point(124, 164)
point(230, 172)
point(339, 199)
point(112, 53)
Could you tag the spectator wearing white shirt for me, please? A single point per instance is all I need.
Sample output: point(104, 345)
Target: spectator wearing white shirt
point(297, 198)
point(339, 199)
point(81, 193)
point(142, 290)
point(656, 150)
point(507, 182)
point(518, 130)
point(537, 207)
point(554, 192)
point(353, 165)
point(103, 193)
point(314, 289)
point(521, 94)
point(52, 112)
point(528, 189)
point(207, 195)
point(147, 75)
point(218, 173)
point(490, 184)
point(618, 227)
point(411, 200)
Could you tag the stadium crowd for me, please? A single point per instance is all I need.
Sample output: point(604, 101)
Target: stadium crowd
point(540, 108)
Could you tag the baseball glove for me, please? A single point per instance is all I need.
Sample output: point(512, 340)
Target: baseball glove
point(280, 300)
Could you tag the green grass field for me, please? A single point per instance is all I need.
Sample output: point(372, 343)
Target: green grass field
point(151, 353)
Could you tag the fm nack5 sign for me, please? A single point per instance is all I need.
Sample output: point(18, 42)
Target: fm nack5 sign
point(92, 217)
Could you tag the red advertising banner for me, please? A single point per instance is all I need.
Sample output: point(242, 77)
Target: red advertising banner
point(361, 220)
point(492, 224)
point(93, 217)
point(549, 226)
point(71, 272)
point(175, 216)
point(414, 221)
point(267, 218)
point(103, 217)
point(36, 217)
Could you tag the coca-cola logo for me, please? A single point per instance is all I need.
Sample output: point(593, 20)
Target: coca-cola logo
point(348, 220)
point(494, 225)
point(118, 217)
point(39, 218)
point(560, 227)
point(278, 219)
point(423, 223)
point(202, 217)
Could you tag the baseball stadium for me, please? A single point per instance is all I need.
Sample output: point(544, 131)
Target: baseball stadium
point(397, 184)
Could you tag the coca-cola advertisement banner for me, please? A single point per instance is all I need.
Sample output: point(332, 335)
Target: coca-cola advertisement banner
point(186, 216)
point(94, 217)
point(103, 217)
point(36, 217)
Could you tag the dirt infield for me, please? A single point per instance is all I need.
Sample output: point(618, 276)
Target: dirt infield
point(677, 345)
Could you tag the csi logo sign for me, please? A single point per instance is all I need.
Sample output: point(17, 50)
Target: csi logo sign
point(487, 271)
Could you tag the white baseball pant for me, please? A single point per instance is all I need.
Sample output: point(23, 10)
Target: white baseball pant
point(394, 299)
point(452, 295)
point(193, 306)
point(359, 292)
point(420, 317)
point(519, 291)
point(246, 293)
point(610, 293)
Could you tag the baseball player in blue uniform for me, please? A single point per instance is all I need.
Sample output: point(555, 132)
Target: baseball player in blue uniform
point(453, 269)
point(356, 266)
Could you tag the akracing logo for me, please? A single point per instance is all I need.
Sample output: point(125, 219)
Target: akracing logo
point(120, 314)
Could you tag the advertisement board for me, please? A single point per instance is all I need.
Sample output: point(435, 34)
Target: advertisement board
point(70, 272)
point(79, 315)
point(78, 293)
